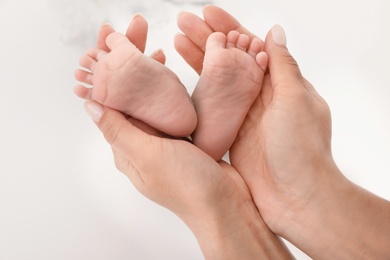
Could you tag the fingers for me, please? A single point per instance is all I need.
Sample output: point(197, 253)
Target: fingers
point(144, 158)
point(221, 21)
point(194, 28)
point(190, 52)
point(137, 32)
point(123, 136)
point(192, 45)
point(116, 129)
point(105, 30)
point(284, 70)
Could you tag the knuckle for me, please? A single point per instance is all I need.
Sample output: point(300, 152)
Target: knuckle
point(288, 59)
point(112, 133)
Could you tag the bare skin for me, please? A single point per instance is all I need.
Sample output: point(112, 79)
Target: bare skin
point(209, 196)
point(125, 79)
point(283, 152)
point(230, 81)
point(219, 227)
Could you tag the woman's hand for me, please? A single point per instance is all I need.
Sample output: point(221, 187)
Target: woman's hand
point(283, 152)
point(286, 135)
point(210, 197)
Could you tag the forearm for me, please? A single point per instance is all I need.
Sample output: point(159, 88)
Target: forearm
point(242, 235)
point(343, 221)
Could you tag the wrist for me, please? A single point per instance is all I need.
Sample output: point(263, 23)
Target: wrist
point(238, 234)
point(341, 221)
point(305, 225)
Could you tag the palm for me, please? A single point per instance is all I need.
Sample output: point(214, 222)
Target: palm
point(248, 154)
point(264, 153)
point(176, 172)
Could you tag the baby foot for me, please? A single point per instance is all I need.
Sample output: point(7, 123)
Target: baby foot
point(231, 80)
point(125, 79)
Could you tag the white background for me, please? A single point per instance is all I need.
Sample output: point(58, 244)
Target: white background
point(60, 194)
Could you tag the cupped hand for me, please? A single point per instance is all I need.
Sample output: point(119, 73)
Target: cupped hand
point(285, 139)
point(283, 152)
point(209, 196)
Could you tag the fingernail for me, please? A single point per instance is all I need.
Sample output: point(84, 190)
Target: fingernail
point(177, 34)
point(156, 52)
point(278, 35)
point(204, 7)
point(138, 15)
point(106, 23)
point(94, 110)
point(179, 14)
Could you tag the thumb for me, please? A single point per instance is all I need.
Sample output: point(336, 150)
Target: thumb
point(122, 135)
point(283, 68)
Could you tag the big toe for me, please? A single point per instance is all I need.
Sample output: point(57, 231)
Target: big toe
point(216, 40)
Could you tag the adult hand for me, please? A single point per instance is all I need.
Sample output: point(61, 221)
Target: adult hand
point(210, 197)
point(283, 152)
point(267, 151)
point(137, 33)
point(192, 43)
